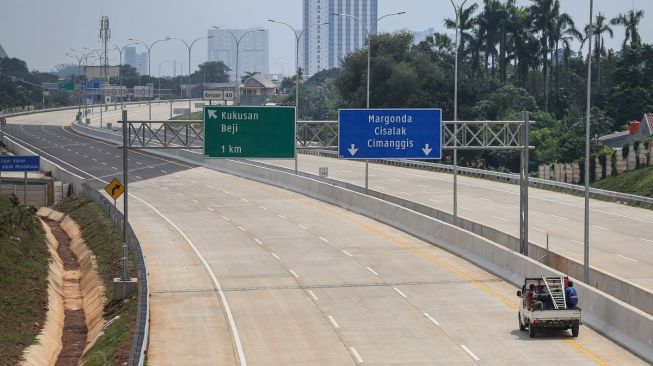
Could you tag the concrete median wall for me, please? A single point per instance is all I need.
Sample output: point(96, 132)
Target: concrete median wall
point(618, 320)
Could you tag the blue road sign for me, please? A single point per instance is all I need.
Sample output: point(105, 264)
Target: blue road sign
point(390, 133)
point(20, 163)
point(90, 85)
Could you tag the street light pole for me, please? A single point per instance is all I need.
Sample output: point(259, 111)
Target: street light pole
point(237, 39)
point(586, 246)
point(298, 37)
point(369, 51)
point(149, 66)
point(190, 47)
point(79, 67)
point(120, 49)
point(455, 114)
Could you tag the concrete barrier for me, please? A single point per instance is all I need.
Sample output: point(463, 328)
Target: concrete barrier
point(618, 320)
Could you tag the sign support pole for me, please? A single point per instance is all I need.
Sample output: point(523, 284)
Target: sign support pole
point(523, 188)
point(25, 190)
point(125, 222)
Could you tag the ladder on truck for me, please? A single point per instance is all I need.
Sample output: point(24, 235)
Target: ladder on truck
point(555, 286)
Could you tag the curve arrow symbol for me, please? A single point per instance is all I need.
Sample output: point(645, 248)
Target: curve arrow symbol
point(115, 188)
point(353, 150)
point(427, 150)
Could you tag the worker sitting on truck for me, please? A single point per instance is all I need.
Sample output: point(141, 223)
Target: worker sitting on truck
point(545, 297)
point(571, 295)
point(530, 298)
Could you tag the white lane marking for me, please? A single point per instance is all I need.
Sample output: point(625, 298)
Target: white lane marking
point(164, 172)
point(283, 217)
point(137, 177)
point(211, 187)
point(559, 217)
point(276, 256)
point(648, 240)
point(293, 273)
point(380, 188)
point(262, 208)
point(114, 168)
point(242, 229)
point(227, 193)
point(209, 208)
point(258, 241)
point(423, 186)
point(499, 218)
point(323, 239)
point(333, 321)
point(196, 201)
point(577, 242)
point(371, 270)
point(244, 199)
point(406, 193)
point(470, 353)
point(485, 199)
point(399, 292)
point(166, 188)
point(226, 218)
point(434, 200)
point(310, 292)
point(104, 163)
point(76, 153)
point(431, 319)
point(86, 156)
point(536, 229)
point(94, 159)
point(227, 308)
point(465, 209)
point(347, 253)
point(305, 228)
point(179, 193)
point(356, 355)
point(139, 163)
point(151, 167)
point(626, 258)
point(601, 227)
point(515, 206)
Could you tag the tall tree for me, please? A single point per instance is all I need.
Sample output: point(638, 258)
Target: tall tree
point(630, 21)
point(467, 23)
point(563, 31)
point(600, 28)
point(544, 13)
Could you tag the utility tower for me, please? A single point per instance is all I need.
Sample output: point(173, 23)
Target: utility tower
point(105, 38)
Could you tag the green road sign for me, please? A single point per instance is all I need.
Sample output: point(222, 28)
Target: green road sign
point(249, 132)
point(66, 85)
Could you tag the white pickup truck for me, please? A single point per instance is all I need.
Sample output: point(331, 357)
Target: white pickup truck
point(549, 308)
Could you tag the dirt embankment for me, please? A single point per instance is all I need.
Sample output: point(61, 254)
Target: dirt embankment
point(76, 296)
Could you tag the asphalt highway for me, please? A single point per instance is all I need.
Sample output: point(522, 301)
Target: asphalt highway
point(245, 273)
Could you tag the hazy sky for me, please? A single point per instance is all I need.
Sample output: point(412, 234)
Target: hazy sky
point(41, 31)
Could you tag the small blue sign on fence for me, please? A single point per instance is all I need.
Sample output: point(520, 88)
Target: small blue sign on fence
point(20, 163)
point(90, 85)
point(390, 134)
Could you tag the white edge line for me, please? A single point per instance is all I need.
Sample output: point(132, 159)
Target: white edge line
point(242, 228)
point(347, 253)
point(226, 218)
point(293, 273)
point(48, 160)
point(431, 319)
point(333, 321)
point(227, 309)
point(323, 239)
point(356, 355)
point(648, 240)
point(470, 353)
point(283, 217)
point(276, 256)
point(371, 270)
point(305, 228)
point(208, 208)
point(310, 292)
point(258, 241)
point(602, 228)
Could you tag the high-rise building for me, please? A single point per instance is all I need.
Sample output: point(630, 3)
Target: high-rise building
point(254, 50)
point(2, 52)
point(138, 60)
point(325, 46)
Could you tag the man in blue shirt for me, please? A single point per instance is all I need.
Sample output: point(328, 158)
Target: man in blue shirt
point(570, 295)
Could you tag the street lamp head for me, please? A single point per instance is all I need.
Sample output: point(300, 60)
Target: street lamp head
point(272, 20)
point(400, 13)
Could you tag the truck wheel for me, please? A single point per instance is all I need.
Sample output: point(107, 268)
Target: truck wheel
point(531, 331)
point(575, 329)
point(522, 327)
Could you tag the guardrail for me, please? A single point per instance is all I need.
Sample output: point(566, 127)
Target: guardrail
point(507, 177)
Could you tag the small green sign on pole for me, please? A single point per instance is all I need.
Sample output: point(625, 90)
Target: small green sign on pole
point(232, 132)
point(66, 85)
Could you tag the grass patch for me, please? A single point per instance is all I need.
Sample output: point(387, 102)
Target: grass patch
point(639, 182)
point(195, 115)
point(105, 240)
point(24, 260)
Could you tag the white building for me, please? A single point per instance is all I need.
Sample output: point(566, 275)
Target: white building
point(254, 50)
point(325, 46)
point(138, 60)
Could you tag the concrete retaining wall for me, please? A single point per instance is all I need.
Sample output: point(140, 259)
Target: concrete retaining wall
point(618, 320)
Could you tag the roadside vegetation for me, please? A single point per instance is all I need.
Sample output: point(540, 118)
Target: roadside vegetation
point(105, 240)
point(24, 260)
point(638, 181)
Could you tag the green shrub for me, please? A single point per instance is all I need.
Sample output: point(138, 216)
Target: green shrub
point(613, 158)
point(602, 161)
point(625, 151)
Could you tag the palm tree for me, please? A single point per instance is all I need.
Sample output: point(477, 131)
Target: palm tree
point(630, 21)
point(600, 27)
point(563, 31)
point(490, 22)
point(544, 13)
point(522, 41)
point(467, 23)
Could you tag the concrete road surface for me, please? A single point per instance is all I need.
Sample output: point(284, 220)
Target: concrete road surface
point(245, 273)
